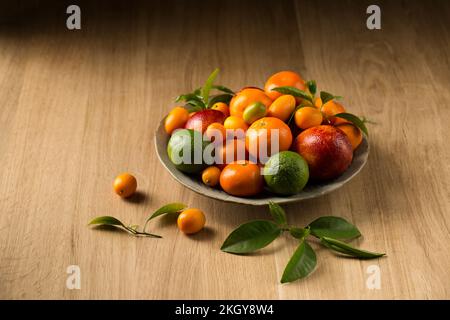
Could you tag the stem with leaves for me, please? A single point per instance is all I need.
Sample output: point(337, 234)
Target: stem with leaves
point(134, 229)
point(200, 98)
point(330, 230)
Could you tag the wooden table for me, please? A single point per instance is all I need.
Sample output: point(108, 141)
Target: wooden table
point(79, 107)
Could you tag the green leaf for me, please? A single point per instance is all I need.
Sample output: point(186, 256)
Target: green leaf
point(312, 86)
point(168, 208)
point(190, 108)
point(189, 96)
point(226, 97)
point(346, 249)
point(277, 213)
point(106, 220)
point(251, 236)
point(196, 103)
point(295, 92)
point(334, 227)
point(355, 120)
point(111, 221)
point(208, 85)
point(326, 96)
point(299, 233)
point(301, 264)
point(223, 89)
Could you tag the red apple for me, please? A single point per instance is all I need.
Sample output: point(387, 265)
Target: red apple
point(202, 119)
point(327, 151)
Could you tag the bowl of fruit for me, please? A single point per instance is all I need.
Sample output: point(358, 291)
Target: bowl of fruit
point(281, 143)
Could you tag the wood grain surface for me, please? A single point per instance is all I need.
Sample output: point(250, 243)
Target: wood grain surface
point(79, 107)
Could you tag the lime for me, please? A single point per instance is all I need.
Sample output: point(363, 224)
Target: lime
point(185, 150)
point(286, 173)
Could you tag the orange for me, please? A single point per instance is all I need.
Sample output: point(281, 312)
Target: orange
point(281, 79)
point(230, 151)
point(246, 97)
point(282, 107)
point(176, 119)
point(234, 122)
point(214, 130)
point(125, 185)
point(260, 133)
point(210, 176)
point(308, 117)
point(352, 132)
point(330, 109)
point(191, 221)
point(242, 179)
point(318, 102)
point(222, 107)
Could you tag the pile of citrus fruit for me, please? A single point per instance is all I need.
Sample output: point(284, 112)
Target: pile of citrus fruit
point(275, 139)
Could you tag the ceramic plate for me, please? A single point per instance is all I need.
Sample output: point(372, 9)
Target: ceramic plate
point(310, 191)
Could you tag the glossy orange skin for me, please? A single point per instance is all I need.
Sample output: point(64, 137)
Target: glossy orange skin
point(191, 221)
point(327, 151)
point(246, 97)
point(308, 117)
point(233, 149)
point(125, 185)
point(176, 119)
point(242, 179)
point(352, 132)
point(235, 122)
point(222, 107)
point(214, 129)
point(211, 176)
point(282, 107)
point(260, 132)
point(330, 109)
point(281, 79)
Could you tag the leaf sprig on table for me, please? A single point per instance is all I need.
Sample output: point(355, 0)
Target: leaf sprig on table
point(170, 208)
point(329, 230)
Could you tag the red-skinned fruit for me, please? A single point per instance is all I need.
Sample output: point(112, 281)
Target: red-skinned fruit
point(327, 151)
point(202, 119)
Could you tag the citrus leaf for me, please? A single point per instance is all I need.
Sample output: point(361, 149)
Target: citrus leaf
point(277, 213)
point(208, 85)
point(190, 108)
point(334, 227)
point(223, 89)
point(251, 236)
point(299, 233)
point(189, 96)
point(355, 120)
point(225, 98)
point(196, 103)
point(326, 96)
point(168, 208)
point(312, 86)
point(294, 91)
point(301, 264)
point(107, 221)
point(346, 249)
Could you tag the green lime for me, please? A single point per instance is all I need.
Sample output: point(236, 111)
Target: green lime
point(286, 173)
point(185, 150)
